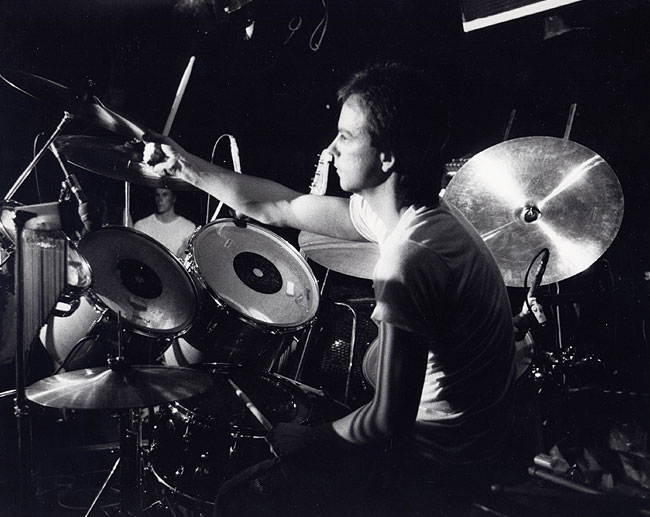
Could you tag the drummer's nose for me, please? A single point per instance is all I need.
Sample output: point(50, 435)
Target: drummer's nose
point(333, 147)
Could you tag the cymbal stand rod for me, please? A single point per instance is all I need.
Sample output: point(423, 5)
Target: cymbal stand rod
point(21, 179)
point(103, 488)
point(310, 333)
point(511, 120)
point(119, 334)
point(21, 407)
point(569, 122)
point(126, 216)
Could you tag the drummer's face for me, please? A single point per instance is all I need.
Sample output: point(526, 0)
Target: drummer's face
point(357, 160)
point(165, 199)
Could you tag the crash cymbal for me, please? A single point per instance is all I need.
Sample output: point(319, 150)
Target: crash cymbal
point(83, 105)
point(116, 160)
point(136, 276)
point(351, 258)
point(122, 388)
point(95, 111)
point(531, 193)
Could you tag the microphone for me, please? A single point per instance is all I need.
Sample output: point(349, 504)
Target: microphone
point(522, 321)
point(234, 153)
point(536, 308)
point(86, 213)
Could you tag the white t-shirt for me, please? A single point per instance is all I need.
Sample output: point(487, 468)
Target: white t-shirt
point(435, 277)
point(174, 235)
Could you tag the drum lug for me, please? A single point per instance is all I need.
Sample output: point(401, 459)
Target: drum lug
point(203, 468)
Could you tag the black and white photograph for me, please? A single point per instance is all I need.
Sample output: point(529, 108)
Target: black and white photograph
point(295, 258)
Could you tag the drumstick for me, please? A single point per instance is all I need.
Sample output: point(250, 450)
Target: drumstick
point(179, 95)
point(255, 411)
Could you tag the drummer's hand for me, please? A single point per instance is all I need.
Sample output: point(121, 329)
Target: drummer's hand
point(163, 154)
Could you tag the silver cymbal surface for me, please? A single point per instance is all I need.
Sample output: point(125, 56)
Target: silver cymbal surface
point(127, 387)
point(531, 193)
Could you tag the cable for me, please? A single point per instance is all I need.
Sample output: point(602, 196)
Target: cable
point(234, 155)
point(74, 350)
point(530, 266)
point(34, 152)
point(322, 26)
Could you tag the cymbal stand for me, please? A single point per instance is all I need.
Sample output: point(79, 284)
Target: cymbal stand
point(129, 460)
point(312, 333)
point(67, 117)
point(45, 286)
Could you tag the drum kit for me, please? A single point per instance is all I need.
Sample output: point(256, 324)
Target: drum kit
point(242, 289)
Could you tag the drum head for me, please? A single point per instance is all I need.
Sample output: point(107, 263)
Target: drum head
point(256, 273)
point(277, 399)
point(138, 277)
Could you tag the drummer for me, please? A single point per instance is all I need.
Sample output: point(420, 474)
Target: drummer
point(165, 225)
point(442, 406)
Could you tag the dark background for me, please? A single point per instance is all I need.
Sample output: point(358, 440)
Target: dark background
point(278, 97)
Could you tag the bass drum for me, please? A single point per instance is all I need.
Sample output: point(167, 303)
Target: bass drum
point(257, 290)
point(203, 441)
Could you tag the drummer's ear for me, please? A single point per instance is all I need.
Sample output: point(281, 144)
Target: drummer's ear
point(387, 160)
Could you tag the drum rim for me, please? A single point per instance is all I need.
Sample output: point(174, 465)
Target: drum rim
point(224, 305)
point(177, 331)
point(176, 492)
point(199, 420)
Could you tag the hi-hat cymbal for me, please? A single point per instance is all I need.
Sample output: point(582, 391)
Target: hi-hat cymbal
point(531, 193)
point(122, 388)
point(116, 160)
point(351, 258)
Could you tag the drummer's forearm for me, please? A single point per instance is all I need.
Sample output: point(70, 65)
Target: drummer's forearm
point(264, 200)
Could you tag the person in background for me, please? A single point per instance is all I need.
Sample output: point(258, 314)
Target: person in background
point(165, 225)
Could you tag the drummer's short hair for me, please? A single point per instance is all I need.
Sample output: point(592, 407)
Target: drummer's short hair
point(406, 114)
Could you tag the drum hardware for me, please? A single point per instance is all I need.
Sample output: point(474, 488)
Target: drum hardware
point(530, 193)
point(199, 443)
point(263, 290)
point(115, 159)
point(353, 258)
point(136, 276)
point(122, 387)
point(40, 272)
point(255, 412)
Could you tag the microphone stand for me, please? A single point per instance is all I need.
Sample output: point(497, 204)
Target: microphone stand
point(67, 117)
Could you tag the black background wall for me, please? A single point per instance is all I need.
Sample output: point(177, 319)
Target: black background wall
point(277, 95)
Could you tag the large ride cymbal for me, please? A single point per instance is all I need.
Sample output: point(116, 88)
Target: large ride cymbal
point(351, 258)
point(116, 160)
point(123, 388)
point(531, 193)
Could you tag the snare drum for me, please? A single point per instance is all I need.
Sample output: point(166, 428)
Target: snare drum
point(257, 288)
point(201, 442)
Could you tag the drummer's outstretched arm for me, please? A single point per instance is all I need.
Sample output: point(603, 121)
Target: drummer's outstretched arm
point(264, 200)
